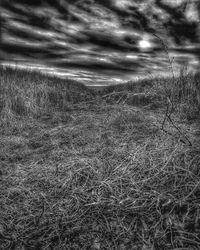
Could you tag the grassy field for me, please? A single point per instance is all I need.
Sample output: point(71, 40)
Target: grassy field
point(117, 168)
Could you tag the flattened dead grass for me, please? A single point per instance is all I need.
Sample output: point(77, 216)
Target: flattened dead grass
point(99, 176)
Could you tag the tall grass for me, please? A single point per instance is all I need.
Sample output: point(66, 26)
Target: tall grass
point(183, 92)
point(107, 179)
point(26, 94)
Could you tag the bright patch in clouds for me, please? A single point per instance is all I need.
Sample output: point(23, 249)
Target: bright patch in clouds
point(131, 57)
point(122, 4)
point(144, 44)
point(175, 3)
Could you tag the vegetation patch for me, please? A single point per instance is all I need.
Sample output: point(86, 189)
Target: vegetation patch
point(83, 170)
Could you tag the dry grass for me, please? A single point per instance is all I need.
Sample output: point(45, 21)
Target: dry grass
point(30, 94)
point(183, 91)
point(94, 174)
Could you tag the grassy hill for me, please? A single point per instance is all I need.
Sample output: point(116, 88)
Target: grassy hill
point(111, 169)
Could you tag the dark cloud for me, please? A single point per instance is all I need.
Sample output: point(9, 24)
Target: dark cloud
point(179, 27)
point(16, 32)
point(107, 42)
point(24, 2)
point(95, 66)
point(21, 49)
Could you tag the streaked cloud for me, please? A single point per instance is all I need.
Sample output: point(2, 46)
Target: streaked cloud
point(109, 40)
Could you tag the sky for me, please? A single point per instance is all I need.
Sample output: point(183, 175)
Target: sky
point(100, 42)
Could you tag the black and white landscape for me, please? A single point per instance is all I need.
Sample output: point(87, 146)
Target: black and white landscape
point(99, 124)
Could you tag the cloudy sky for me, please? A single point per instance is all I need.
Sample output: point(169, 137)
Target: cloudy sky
point(100, 41)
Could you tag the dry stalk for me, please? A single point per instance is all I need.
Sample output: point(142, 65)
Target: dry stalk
point(169, 95)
